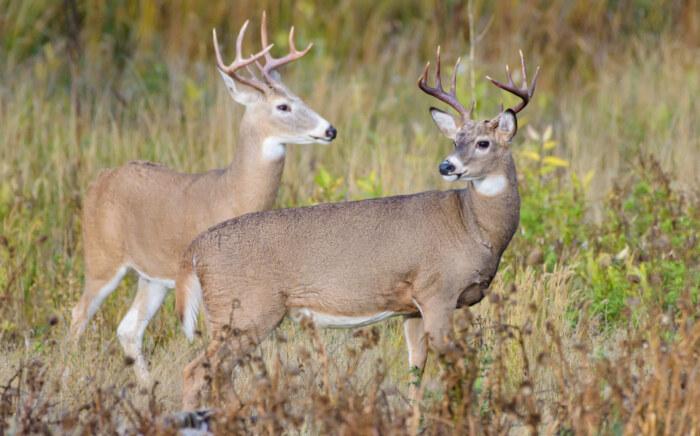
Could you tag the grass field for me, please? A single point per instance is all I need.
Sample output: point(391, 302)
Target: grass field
point(590, 327)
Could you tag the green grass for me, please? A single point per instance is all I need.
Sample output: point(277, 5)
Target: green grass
point(607, 153)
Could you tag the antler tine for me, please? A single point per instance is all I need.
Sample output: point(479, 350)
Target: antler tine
point(453, 85)
point(438, 78)
point(524, 93)
point(439, 93)
point(240, 62)
point(272, 63)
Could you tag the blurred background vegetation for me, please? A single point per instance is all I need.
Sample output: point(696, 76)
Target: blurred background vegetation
point(608, 152)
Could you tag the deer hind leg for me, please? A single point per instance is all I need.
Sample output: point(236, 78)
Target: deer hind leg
point(97, 288)
point(195, 376)
point(249, 325)
point(130, 332)
point(417, 345)
point(212, 368)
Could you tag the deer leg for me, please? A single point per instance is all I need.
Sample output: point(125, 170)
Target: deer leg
point(209, 367)
point(195, 377)
point(417, 345)
point(97, 288)
point(253, 324)
point(438, 324)
point(130, 332)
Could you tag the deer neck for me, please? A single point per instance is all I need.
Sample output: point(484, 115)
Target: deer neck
point(254, 175)
point(492, 204)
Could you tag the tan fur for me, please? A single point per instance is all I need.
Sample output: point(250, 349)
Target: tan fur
point(143, 215)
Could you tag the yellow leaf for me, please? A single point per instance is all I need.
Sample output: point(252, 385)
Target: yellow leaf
point(192, 91)
point(575, 180)
point(588, 177)
point(555, 161)
point(531, 155)
point(549, 145)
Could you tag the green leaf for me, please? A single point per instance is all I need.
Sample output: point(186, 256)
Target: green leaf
point(322, 178)
point(546, 169)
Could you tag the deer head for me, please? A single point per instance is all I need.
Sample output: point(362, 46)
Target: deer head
point(480, 147)
point(287, 117)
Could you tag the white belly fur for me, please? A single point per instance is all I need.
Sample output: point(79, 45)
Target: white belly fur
point(323, 320)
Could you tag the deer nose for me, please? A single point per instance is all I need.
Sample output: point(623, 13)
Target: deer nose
point(331, 133)
point(446, 168)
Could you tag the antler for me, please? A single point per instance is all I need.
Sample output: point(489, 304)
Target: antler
point(524, 93)
point(240, 62)
point(439, 93)
point(272, 63)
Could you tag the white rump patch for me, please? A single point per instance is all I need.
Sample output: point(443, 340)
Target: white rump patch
point(193, 299)
point(273, 148)
point(490, 186)
point(324, 320)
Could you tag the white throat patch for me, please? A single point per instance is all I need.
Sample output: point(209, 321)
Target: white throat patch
point(273, 148)
point(490, 186)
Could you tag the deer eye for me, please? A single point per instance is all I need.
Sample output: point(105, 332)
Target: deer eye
point(483, 144)
point(284, 108)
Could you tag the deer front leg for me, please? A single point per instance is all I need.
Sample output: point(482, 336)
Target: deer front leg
point(417, 345)
point(148, 300)
point(438, 316)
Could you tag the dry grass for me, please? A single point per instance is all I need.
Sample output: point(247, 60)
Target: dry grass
point(518, 366)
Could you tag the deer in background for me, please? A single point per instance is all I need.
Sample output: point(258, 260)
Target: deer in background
point(142, 216)
point(351, 264)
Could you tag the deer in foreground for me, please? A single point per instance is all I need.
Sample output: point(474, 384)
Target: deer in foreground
point(142, 216)
point(351, 264)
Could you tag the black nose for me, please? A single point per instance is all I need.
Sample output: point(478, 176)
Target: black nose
point(446, 168)
point(331, 133)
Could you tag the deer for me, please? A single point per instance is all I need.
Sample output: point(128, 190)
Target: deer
point(130, 214)
point(345, 265)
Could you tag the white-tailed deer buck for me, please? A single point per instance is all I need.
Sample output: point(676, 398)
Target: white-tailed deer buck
point(355, 263)
point(142, 216)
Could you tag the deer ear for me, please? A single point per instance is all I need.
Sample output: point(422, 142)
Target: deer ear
point(448, 124)
point(240, 92)
point(508, 124)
